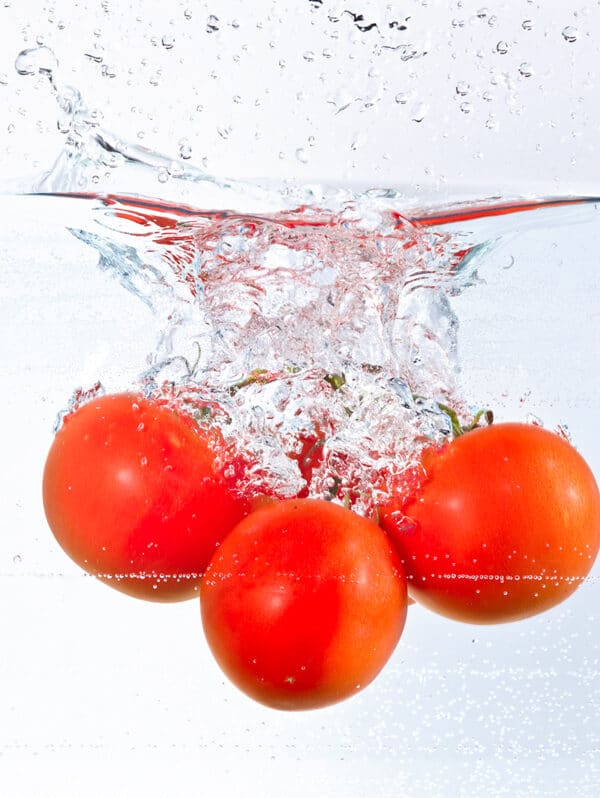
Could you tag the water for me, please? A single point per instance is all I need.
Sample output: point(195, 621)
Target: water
point(262, 311)
point(240, 295)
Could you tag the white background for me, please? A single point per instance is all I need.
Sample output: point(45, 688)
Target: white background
point(101, 695)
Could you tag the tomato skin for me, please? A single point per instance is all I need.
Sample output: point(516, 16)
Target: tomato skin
point(505, 525)
point(131, 492)
point(303, 604)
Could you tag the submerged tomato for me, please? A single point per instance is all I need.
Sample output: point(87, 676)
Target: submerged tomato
point(133, 495)
point(303, 603)
point(506, 524)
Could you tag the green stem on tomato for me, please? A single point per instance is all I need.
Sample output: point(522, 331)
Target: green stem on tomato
point(457, 427)
point(335, 380)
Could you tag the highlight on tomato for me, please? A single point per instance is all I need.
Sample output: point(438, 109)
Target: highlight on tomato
point(303, 603)
point(504, 524)
point(134, 494)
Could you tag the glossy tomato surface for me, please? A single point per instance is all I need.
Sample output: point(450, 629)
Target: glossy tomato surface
point(303, 603)
point(506, 524)
point(133, 495)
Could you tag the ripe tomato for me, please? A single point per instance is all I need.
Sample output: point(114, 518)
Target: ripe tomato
point(505, 524)
point(133, 495)
point(303, 603)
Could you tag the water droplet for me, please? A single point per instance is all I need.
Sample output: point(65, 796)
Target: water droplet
point(212, 24)
point(525, 70)
point(37, 60)
point(163, 174)
point(168, 42)
point(482, 13)
point(17, 559)
point(3, 79)
point(419, 111)
point(175, 169)
point(462, 88)
point(308, 55)
point(185, 149)
point(570, 33)
point(527, 24)
point(502, 47)
point(301, 155)
point(466, 107)
point(187, 13)
point(402, 97)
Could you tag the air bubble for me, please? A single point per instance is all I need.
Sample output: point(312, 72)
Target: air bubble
point(17, 559)
point(466, 107)
point(527, 24)
point(308, 55)
point(402, 97)
point(187, 13)
point(163, 174)
point(502, 47)
point(570, 33)
point(462, 88)
point(301, 155)
point(168, 42)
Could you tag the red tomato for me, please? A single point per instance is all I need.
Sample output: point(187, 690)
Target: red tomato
point(505, 524)
point(133, 495)
point(303, 603)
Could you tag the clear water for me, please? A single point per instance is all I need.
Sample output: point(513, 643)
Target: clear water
point(305, 283)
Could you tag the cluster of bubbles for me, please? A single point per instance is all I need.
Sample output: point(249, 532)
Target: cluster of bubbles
point(315, 334)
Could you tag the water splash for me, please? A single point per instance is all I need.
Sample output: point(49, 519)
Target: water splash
point(297, 318)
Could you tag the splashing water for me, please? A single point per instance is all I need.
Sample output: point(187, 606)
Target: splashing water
point(306, 317)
